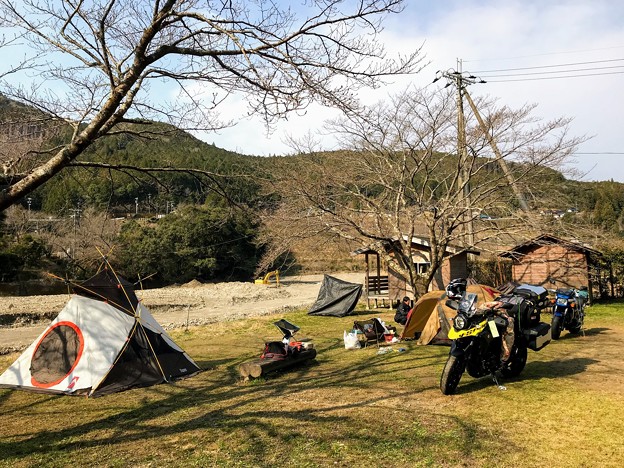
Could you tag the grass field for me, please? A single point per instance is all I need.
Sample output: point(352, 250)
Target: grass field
point(350, 408)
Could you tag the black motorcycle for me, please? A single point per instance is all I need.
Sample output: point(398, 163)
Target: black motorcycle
point(477, 334)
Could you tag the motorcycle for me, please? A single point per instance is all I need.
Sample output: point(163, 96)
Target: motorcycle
point(477, 333)
point(568, 311)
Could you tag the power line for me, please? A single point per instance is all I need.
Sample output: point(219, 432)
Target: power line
point(555, 77)
point(550, 66)
point(553, 72)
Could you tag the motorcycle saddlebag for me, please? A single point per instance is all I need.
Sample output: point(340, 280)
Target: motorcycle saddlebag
point(538, 336)
point(526, 315)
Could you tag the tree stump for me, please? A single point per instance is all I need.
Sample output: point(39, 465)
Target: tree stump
point(260, 367)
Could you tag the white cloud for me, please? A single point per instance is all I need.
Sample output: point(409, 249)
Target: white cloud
point(490, 35)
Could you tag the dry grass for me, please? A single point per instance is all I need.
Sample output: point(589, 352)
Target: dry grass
point(351, 408)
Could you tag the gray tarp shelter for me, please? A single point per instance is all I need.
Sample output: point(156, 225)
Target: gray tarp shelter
point(336, 297)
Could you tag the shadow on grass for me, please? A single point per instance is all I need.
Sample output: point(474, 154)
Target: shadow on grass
point(218, 407)
point(591, 332)
point(555, 368)
point(535, 370)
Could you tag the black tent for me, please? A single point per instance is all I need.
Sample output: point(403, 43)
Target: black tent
point(336, 297)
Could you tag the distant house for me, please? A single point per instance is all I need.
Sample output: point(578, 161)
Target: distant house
point(393, 286)
point(553, 262)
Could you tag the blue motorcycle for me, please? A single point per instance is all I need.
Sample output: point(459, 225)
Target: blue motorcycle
point(568, 311)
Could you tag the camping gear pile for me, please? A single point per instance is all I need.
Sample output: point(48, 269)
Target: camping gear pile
point(372, 331)
point(103, 341)
point(279, 355)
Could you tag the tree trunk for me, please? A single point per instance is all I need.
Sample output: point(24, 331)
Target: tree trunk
point(260, 367)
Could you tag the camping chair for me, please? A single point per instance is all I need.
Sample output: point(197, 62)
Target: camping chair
point(288, 329)
point(373, 330)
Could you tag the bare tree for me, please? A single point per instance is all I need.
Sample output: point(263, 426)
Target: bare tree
point(399, 177)
point(101, 63)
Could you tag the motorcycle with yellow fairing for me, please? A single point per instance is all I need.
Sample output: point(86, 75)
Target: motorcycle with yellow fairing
point(479, 335)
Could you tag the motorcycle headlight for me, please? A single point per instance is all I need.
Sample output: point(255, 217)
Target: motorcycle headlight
point(460, 322)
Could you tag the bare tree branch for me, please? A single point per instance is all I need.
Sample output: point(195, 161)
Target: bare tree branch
point(95, 59)
point(399, 177)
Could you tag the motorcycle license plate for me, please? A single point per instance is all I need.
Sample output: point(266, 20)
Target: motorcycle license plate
point(493, 329)
point(562, 301)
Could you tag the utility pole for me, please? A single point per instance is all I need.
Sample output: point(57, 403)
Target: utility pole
point(463, 154)
point(457, 78)
point(461, 80)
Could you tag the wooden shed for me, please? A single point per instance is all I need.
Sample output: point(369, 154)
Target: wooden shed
point(553, 262)
point(385, 284)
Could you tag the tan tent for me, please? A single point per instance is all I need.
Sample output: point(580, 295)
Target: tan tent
point(433, 319)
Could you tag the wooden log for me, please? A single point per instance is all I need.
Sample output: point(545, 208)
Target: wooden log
point(259, 367)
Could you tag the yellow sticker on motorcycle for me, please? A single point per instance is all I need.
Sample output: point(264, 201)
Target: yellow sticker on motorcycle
point(493, 329)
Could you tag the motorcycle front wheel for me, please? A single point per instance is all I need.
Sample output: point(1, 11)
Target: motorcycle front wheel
point(555, 328)
point(451, 375)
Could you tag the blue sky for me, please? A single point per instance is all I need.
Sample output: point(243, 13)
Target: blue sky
point(493, 35)
point(490, 35)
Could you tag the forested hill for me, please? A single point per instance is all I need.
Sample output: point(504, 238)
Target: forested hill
point(157, 145)
point(602, 203)
point(153, 146)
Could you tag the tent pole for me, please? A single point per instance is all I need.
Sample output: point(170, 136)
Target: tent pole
point(105, 299)
point(118, 280)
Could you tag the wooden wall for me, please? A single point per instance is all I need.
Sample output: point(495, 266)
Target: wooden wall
point(567, 267)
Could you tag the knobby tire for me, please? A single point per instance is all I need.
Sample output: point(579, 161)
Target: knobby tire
point(451, 375)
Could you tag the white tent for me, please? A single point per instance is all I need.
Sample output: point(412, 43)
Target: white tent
point(100, 344)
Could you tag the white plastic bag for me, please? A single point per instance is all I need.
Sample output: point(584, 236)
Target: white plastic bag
point(351, 340)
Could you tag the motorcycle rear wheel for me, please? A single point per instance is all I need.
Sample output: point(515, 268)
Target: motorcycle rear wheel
point(517, 361)
point(451, 375)
point(555, 328)
point(576, 329)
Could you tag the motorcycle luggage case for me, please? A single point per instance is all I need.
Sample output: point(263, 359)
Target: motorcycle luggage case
point(538, 337)
point(536, 294)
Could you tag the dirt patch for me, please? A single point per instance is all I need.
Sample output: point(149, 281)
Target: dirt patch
point(23, 318)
